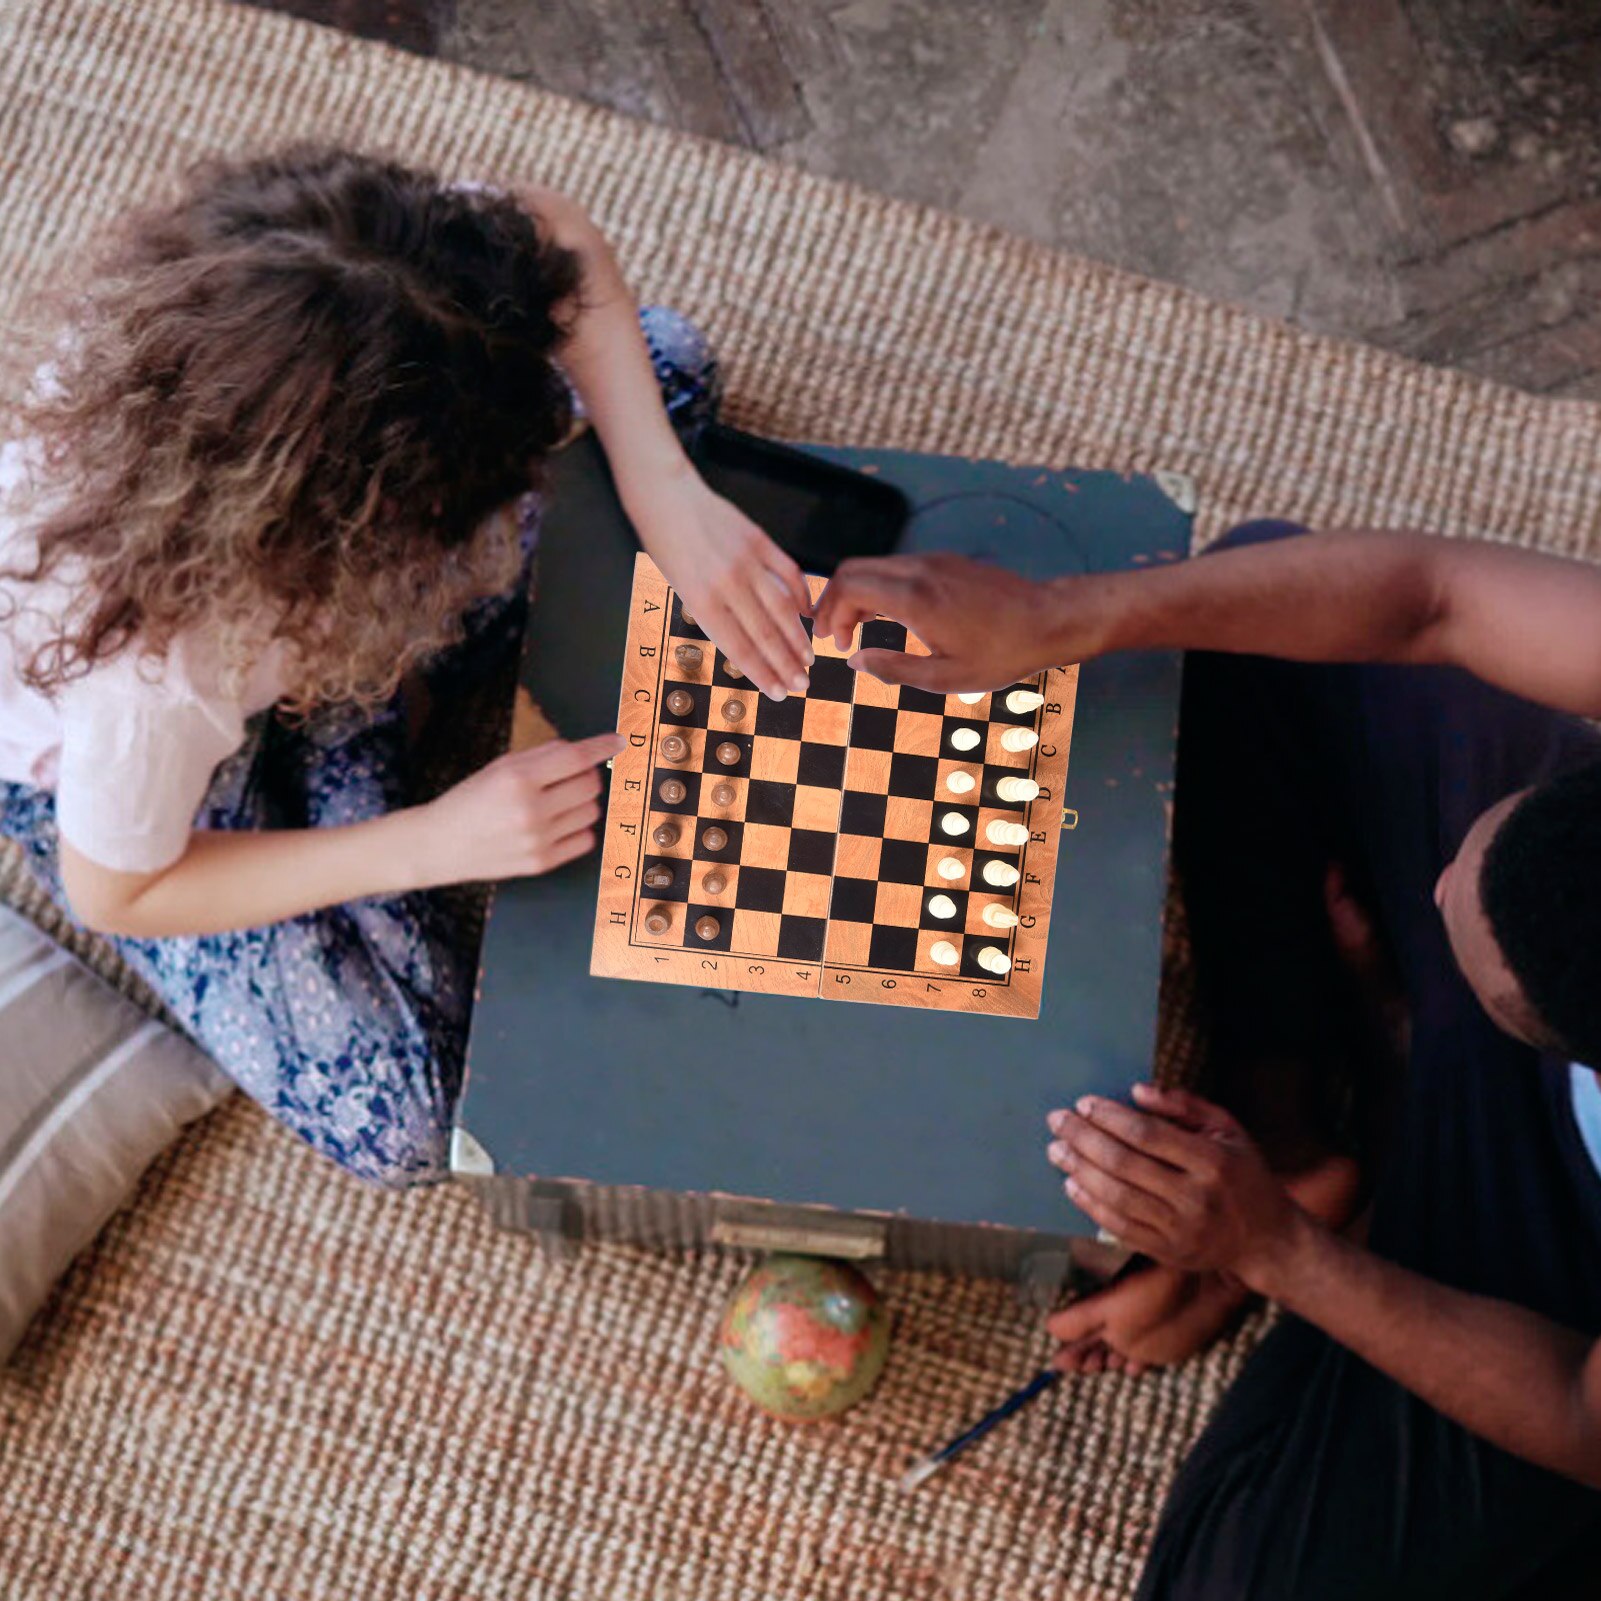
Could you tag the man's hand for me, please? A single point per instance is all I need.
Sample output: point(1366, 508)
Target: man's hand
point(985, 627)
point(1177, 1179)
point(740, 587)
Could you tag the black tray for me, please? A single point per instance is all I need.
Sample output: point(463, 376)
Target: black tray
point(817, 511)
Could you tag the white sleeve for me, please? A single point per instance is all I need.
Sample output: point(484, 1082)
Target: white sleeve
point(135, 766)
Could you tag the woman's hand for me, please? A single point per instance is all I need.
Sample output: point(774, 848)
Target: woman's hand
point(739, 586)
point(524, 814)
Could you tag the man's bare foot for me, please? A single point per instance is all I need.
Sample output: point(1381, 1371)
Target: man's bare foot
point(1158, 1316)
point(1153, 1318)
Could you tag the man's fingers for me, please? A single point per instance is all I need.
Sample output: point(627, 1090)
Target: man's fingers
point(1106, 1198)
point(870, 587)
point(1082, 1142)
point(921, 672)
point(1205, 1116)
point(1154, 1136)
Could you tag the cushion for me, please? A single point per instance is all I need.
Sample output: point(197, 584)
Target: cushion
point(91, 1091)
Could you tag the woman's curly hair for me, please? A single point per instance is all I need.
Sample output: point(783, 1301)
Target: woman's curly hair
point(285, 408)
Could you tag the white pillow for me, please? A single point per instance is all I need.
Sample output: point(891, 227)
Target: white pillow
point(91, 1091)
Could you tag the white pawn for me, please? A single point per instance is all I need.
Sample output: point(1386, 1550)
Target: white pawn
point(943, 952)
point(1001, 832)
point(994, 960)
point(941, 906)
point(971, 699)
point(949, 867)
point(1019, 739)
point(955, 823)
point(1000, 917)
point(1001, 875)
point(1024, 700)
point(1016, 788)
point(960, 783)
point(965, 739)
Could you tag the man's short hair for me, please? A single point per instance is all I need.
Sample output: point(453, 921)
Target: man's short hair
point(1540, 886)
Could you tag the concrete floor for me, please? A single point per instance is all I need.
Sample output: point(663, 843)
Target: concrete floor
point(1422, 174)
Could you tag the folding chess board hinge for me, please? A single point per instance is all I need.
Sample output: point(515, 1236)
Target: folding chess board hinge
point(801, 1230)
point(1069, 819)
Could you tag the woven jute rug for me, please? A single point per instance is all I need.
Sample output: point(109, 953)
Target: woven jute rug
point(267, 1381)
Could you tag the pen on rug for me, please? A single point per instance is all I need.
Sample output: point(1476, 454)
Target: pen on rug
point(926, 1467)
point(921, 1471)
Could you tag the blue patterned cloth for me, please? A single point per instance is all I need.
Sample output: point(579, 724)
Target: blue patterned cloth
point(349, 1024)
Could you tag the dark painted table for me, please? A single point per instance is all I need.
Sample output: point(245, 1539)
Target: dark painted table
point(635, 1110)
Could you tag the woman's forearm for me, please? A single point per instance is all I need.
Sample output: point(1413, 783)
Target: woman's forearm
point(227, 881)
point(608, 361)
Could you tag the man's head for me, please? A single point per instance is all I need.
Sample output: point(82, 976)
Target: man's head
point(1522, 909)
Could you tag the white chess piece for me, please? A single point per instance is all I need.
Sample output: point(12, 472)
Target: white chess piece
point(1024, 700)
point(1000, 916)
point(994, 960)
point(941, 906)
point(949, 867)
point(1000, 875)
point(1000, 832)
point(966, 739)
point(1019, 739)
point(1014, 787)
point(955, 823)
point(971, 698)
point(960, 783)
point(943, 952)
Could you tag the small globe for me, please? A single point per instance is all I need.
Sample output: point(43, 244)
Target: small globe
point(805, 1337)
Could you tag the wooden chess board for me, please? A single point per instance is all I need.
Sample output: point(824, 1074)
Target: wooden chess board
point(801, 847)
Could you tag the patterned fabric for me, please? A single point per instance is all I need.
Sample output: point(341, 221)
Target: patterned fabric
point(348, 1024)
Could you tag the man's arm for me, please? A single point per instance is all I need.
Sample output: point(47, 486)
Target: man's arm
point(1526, 622)
point(1178, 1179)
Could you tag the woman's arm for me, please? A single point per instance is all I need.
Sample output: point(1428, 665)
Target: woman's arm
point(524, 814)
point(745, 592)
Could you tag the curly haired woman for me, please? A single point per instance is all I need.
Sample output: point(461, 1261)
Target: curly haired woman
point(284, 453)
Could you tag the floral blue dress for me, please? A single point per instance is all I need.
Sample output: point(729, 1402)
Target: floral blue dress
point(348, 1024)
